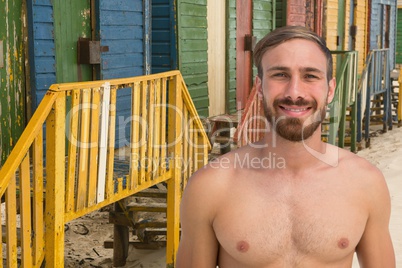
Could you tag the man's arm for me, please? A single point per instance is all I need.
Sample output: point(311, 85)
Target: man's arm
point(198, 245)
point(375, 247)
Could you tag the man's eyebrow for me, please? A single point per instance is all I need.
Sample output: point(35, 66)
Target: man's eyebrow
point(311, 69)
point(302, 69)
point(278, 68)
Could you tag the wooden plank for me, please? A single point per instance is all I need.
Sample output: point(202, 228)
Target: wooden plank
point(191, 9)
point(144, 129)
point(73, 116)
point(135, 135)
point(185, 144)
point(173, 184)
point(243, 58)
point(38, 200)
point(26, 220)
point(193, 52)
point(151, 193)
point(231, 56)
point(55, 183)
point(147, 207)
point(151, 131)
point(122, 60)
point(158, 126)
point(111, 142)
point(217, 57)
point(103, 142)
point(94, 146)
point(163, 125)
point(83, 160)
point(67, 27)
point(11, 223)
point(188, 164)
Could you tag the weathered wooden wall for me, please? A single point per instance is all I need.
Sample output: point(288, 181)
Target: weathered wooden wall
point(163, 36)
point(280, 11)
point(216, 57)
point(42, 56)
point(231, 56)
point(296, 13)
point(12, 75)
point(399, 34)
point(122, 28)
point(263, 19)
point(331, 23)
point(378, 26)
point(69, 27)
point(361, 14)
point(399, 37)
point(193, 50)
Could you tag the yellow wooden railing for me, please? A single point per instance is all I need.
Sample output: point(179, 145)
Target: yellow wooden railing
point(399, 111)
point(45, 183)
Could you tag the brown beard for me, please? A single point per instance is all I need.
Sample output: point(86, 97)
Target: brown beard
point(293, 129)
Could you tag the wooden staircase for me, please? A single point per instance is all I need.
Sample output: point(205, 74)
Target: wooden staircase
point(144, 216)
point(396, 98)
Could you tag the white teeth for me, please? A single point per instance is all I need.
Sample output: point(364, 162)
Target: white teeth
point(296, 110)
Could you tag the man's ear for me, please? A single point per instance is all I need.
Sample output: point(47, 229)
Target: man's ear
point(331, 90)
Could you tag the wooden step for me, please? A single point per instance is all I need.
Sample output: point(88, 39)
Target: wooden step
point(147, 207)
point(152, 193)
point(376, 109)
point(150, 224)
point(138, 244)
point(148, 235)
point(222, 140)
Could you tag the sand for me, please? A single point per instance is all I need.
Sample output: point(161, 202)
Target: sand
point(85, 236)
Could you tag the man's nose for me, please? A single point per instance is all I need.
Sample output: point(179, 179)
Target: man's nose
point(295, 89)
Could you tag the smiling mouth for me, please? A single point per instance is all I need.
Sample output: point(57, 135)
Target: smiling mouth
point(295, 110)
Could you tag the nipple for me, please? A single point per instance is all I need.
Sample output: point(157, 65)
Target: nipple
point(242, 246)
point(343, 243)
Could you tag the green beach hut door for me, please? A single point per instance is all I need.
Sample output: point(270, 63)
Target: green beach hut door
point(12, 76)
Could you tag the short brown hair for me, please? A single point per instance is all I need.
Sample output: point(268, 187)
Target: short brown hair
point(286, 33)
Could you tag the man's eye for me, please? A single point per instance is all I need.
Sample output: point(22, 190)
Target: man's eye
point(279, 75)
point(311, 76)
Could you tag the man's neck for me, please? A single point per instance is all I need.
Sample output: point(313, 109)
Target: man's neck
point(301, 155)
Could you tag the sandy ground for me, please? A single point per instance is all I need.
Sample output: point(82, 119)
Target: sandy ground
point(85, 236)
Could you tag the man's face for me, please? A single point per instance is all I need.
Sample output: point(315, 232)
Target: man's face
point(295, 88)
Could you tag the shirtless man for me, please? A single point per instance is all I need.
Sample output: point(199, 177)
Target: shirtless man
point(246, 210)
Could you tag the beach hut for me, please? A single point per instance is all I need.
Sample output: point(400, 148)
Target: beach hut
point(382, 27)
point(12, 75)
point(73, 41)
point(246, 23)
point(308, 13)
point(346, 26)
point(399, 35)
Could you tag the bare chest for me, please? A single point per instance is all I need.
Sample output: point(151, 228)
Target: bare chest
point(277, 227)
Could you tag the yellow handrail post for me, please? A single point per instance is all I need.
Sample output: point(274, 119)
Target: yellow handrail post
point(55, 184)
point(400, 99)
point(175, 140)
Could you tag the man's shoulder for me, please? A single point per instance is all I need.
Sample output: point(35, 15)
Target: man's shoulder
point(357, 164)
point(362, 171)
point(222, 170)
